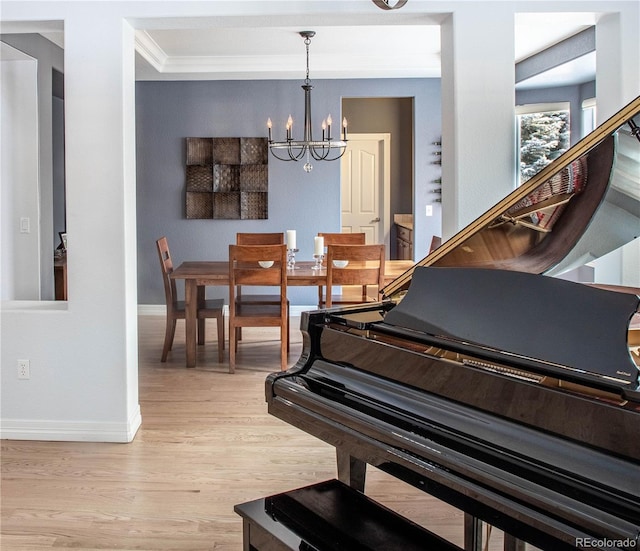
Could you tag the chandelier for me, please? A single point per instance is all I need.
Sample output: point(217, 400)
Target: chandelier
point(326, 149)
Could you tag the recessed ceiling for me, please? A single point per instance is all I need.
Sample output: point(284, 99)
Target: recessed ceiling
point(373, 51)
point(250, 49)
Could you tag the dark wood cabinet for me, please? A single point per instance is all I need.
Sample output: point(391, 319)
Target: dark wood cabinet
point(60, 277)
point(404, 242)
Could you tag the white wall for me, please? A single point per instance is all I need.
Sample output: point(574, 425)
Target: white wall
point(478, 111)
point(20, 257)
point(83, 353)
point(618, 83)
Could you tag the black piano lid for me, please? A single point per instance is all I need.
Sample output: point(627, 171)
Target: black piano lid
point(571, 326)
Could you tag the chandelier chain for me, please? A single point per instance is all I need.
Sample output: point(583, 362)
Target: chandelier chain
point(307, 41)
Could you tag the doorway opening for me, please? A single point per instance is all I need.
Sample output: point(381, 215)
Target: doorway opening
point(392, 116)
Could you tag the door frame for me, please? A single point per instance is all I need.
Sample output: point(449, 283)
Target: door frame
point(385, 183)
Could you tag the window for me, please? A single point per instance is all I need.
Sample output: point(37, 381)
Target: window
point(543, 135)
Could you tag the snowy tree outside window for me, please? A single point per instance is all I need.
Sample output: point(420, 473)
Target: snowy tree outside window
point(544, 136)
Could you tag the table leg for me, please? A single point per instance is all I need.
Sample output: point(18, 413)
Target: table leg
point(191, 314)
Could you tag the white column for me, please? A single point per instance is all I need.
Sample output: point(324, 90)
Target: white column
point(618, 83)
point(478, 110)
point(617, 59)
point(101, 193)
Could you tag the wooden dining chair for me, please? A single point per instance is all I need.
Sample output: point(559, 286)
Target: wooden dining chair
point(339, 239)
point(259, 238)
point(176, 308)
point(245, 270)
point(359, 265)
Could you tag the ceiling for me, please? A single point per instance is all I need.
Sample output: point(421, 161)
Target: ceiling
point(251, 48)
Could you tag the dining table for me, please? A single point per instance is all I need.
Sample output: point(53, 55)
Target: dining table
point(198, 274)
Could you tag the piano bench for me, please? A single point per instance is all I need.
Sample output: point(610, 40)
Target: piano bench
point(330, 516)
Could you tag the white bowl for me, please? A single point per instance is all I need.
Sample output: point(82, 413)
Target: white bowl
point(265, 263)
point(340, 263)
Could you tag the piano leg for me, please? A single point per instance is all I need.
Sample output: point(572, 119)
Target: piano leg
point(472, 533)
point(351, 471)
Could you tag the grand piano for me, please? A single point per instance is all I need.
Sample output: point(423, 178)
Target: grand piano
point(484, 380)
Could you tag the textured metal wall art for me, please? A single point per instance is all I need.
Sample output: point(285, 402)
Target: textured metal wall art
point(227, 178)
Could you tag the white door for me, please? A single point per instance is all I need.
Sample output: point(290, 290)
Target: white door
point(365, 187)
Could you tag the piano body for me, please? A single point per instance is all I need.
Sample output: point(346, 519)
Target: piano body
point(512, 395)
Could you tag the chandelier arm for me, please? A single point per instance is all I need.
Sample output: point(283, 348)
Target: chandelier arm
point(288, 158)
point(324, 156)
point(296, 156)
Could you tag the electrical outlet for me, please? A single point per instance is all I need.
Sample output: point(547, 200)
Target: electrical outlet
point(24, 369)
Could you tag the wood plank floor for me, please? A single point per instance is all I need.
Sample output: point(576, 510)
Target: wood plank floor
point(206, 443)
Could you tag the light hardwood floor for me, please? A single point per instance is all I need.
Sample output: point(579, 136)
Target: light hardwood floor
point(206, 443)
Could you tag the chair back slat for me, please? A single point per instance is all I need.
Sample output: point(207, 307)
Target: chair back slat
point(343, 238)
point(260, 276)
point(259, 238)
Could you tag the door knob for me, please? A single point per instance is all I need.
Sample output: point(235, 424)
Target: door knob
point(375, 220)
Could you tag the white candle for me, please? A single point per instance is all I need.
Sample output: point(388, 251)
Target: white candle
point(291, 239)
point(318, 245)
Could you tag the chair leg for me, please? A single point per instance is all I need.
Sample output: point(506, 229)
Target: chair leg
point(233, 346)
point(201, 322)
point(288, 331)
point(220, 324)
point(284, 347)
point(169, 333)
point(201, 338)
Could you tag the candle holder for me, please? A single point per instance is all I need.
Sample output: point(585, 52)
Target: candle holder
point(318, 258)
point(291, 259)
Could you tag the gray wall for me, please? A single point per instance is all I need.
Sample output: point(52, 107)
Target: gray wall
point(168, 112)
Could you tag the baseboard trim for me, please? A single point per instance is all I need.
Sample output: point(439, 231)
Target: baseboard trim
point(71, 431)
